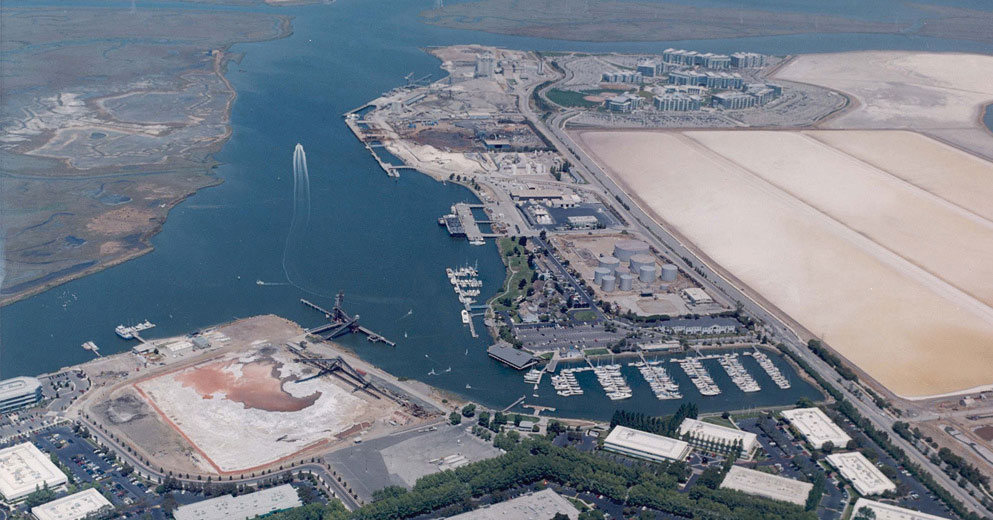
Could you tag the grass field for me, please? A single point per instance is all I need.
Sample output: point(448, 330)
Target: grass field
point(517, 270)
point(572, 98)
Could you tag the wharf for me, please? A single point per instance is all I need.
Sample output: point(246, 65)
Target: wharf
point(465, 223)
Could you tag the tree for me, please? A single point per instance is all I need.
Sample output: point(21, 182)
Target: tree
point(455, 418)
point(827, 447)
point(560, 516)
point(864, 514)
point(469, 410)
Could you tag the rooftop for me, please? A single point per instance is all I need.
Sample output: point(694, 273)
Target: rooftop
point(864, 476)
point(72, 507)
point(242, 507)
point(537, 506)
point(816, 427)
point(767, 485)
point(644, 444)
point(892, 512)
point(511, 356)
point(17, 387)
point(24, 469)
point(704, 430)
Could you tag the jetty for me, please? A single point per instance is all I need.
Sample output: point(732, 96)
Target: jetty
point(341, 323)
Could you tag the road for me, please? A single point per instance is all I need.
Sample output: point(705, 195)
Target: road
point(712, 281)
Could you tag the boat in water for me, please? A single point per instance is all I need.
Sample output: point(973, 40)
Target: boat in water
point(465, 316)
point(129, 332)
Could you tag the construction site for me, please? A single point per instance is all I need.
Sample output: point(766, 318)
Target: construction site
point(286, 396)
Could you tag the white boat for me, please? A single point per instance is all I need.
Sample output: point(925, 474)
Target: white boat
point(465, 316)
point(129, 332)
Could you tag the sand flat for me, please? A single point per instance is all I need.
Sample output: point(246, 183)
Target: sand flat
point(914, 339)
point(944, 240)
point(959, 178)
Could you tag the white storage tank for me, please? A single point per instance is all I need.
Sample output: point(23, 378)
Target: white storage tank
point(646, 273)
point(625, 249)
point(610, 262)
point(599, 273)
point(641, 259)
point(669, 272)
point(626, 281)
point(608, 283)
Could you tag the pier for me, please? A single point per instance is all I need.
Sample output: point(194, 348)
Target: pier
point(461, 222)
point(513, 404)
point(341, 323)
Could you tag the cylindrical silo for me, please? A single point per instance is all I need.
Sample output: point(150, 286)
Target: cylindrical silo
point(669, 272)
point(608, 283)
point(625, 249)
point(641, 259)
point(599, 273)
point(626, 281)
point(610, 262)
point(646, 273)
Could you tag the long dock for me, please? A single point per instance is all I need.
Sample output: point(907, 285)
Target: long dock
point(341, 323)
point(513, 404)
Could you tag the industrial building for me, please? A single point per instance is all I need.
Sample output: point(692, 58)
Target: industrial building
point(677, 102)
point(583, 222)
point(701, 326)
point(644, 445)
point(864, 476)
point(891, 512)
point(541, 505)
point(24, 469)
point(510, 356)
point(241, 507)
point(767, 485)
point(485, 65)
point(697, 296)
point(816, 427)
point(717, 438)
point(623, 103)
point(73, 507)
point(19, 392)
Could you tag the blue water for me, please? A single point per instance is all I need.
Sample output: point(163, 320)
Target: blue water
point(374, 237)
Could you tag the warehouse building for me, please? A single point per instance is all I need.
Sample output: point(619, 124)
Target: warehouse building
point(863, 474)
point(24, 469)
point(19, 392)
point(713, 437)
point(542, 505)
point(892, 512)
point(241, 507)
point(697, 296)
point(816, 427)
point(73, 507)
point(644, 445)
point(766, 485)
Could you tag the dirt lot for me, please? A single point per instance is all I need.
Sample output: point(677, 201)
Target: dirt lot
point(839, 261)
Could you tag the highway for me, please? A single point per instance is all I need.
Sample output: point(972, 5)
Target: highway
point(712, 281)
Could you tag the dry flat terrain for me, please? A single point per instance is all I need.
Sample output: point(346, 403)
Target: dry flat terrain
point(939, 94)
point(880, 251)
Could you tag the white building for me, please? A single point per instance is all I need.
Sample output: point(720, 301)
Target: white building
point(18, 392)
point(767, 485)
point(24, 469)
point(713, 436)
point(891, 512)
point(816, 427)
point(72, 507)
point(863, 474)
point(696, 295)
point(542, 505)
point(241, 507)
point(644, 445)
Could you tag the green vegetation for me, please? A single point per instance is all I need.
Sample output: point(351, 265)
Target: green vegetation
point(667, 426)
point(572, 98)
point(596, 352)
point(519, 275)
point(39, 497)
point(720, 421)
point(584, 315)
point(455, 418)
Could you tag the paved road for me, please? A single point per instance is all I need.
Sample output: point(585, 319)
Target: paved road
point(714, 282)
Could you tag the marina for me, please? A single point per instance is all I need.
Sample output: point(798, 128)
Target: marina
point(663, 386)
point(770, 368)
point(466, 284)
point(699, 376)
point(132, 331)
point(739, 376)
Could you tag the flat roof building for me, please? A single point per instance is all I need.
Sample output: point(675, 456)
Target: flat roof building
point(72, 507)
point(697, 295)
point(510, 356)
point(241, 507)
point(24, 469)
point(542, 505)
point(644, 445)
point(863, 474)
point(19, 392)
point(816, 427)
point(767, 485)
point(716, 437)
point(892, 512)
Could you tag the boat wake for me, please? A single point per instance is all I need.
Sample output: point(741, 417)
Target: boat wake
point(301, 216)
